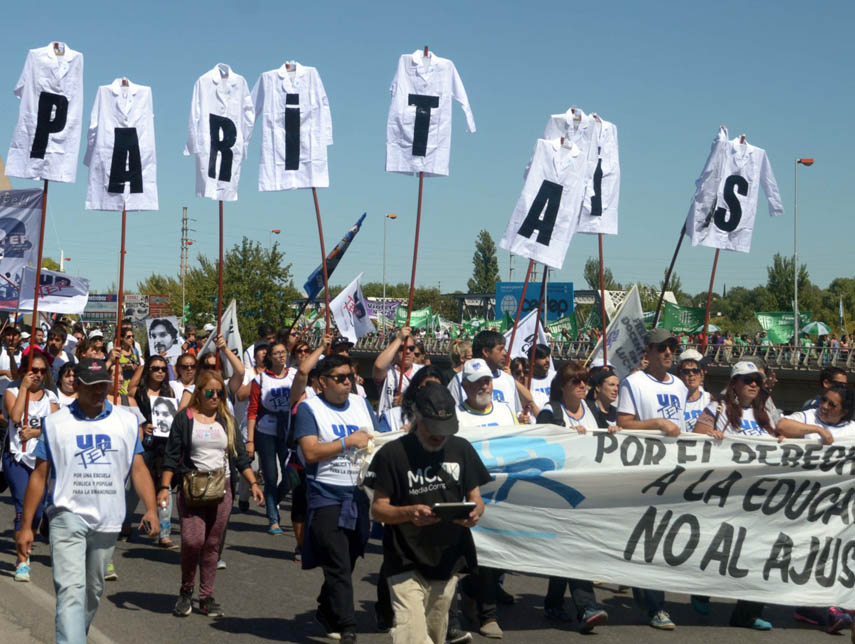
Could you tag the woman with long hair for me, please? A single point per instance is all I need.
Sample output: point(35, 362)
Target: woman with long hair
point(18, 457)
point(741, 411)
point(567, 408)
point(268, 420)
point(602, 397)
point(66, 385)
point(128, 357)
point(203, 438)
point(151, 380)
point(828, 422)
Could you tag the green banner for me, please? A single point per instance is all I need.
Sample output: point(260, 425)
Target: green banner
point(778, 325)
point(419, 318)
point(683, 319)
point(567, 323)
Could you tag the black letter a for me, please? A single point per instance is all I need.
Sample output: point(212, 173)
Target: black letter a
point(549, 197)
point(126, 165)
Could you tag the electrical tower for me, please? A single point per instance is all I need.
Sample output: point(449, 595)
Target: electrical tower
point(186, 242)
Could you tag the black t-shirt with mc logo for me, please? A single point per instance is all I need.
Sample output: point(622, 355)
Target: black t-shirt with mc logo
point(411, 475)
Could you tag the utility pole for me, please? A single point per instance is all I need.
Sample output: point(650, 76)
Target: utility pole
point(185, 251)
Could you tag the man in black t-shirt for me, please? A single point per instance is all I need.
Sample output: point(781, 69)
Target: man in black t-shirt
point(423, 554)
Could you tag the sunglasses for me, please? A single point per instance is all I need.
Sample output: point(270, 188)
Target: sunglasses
point(187, 366)
point(162, 369)
point(579, 381)
point(409, 347)
point(210, 393)
point(39, 370)
point(417, 354)
point(209, 365)
point(302, 351)
point(690, 372)
point(830, 403)
point(752, 380)
point(666, 346)
point(341, 378)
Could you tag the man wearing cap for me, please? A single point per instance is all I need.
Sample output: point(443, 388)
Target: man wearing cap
point(96, 340)
point(655, 400)
point(327, 427)
point(489, 346)
point(478, 409)
point(341, 346)
point(89, 448)
point(423, 554)
point(691, 369)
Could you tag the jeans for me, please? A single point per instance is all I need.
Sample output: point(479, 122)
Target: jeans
point(267, 447)
point(421, 607)
point(79, 556)
point(654, 600)
point(18, 476)
point(581, 591)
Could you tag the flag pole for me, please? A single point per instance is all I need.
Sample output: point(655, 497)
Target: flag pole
point(35, 306)
point(519, 310)
point(709, 301)
point(118, 343)
point(323, 261)
point(603, 300)
point(219, 287)
point(536, 327)
point(668, 277)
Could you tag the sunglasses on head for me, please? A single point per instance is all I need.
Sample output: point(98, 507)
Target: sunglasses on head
point(210, 393)
point(690, 372)
point(163, 369)
point(341, 378)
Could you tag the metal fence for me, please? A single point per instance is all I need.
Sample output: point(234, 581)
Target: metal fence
point(776, 356)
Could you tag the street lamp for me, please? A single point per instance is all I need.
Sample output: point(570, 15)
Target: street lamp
point(805, 162)
point(383, 321)
point(275, 231)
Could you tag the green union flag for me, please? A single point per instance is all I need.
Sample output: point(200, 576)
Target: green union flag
point(778, 325)
point(683, 319)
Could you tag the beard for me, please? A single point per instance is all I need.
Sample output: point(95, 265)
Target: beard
point(428, 447)
point(483, 398)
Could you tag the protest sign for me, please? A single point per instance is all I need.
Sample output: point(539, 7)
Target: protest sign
point(742, 518)
point(163, 410)
point(683, 319)
point(521, 348)
point(20, 217)
point(350, 313)
point(163, 337)
point(58, 292)
point(779, 326)
point(231, 333)
point(626, 336)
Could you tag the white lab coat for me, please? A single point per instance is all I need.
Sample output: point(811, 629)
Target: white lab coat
point(222, 93)
point(307, 143)
point(121, 107)
point(44, 71)
point(433, 81)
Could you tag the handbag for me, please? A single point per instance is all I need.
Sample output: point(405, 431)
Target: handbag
point(204, 489)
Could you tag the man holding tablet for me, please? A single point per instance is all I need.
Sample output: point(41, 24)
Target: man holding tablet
point(422, 482)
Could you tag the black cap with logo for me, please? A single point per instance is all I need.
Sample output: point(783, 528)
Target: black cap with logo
point(91, 371)
point(438, 409)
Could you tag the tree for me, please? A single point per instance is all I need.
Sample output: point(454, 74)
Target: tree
point(780, 281)
point(485, 272)
point(253, 275)
point(675, 285)
point(591, 273)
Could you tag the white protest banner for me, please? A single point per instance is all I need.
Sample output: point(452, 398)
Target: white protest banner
point(58, 292)
point(20, 217)
point(626, 336)
point(351, 313)
point(521, 348)
point(742, 518)
point(231, 332)
point(162, 334)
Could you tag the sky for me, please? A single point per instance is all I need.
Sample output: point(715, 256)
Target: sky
point(666, 73)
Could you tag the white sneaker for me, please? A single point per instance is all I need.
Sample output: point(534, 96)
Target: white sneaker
point(221, 564)
point(22, 571)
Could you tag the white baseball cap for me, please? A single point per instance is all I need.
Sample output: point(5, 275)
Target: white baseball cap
point(209, 327)
point(476, 369)
point(598, 363)
point(744, 368)
point(690, 354)
point(95, 333)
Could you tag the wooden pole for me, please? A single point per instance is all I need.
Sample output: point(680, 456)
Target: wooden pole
point(519, 311)
point(603, 301)
point(118, 342)
point(219, 286)
point(536, 327)
point(709, 301)
point(323, 261)
point(24, 420)
point(415, 249)
point(668, 277)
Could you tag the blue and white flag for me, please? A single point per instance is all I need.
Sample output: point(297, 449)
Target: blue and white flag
point(315, 283)
point(58, 292)
point(351, 312)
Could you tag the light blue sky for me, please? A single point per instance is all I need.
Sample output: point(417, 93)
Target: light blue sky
point(667, 73)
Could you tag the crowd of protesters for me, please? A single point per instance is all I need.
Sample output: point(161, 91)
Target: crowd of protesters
point(285, 421)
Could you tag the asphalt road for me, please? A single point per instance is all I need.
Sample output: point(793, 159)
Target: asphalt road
point(268, 597)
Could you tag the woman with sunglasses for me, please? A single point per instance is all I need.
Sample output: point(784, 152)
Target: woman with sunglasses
point(204, 438)
point(151, 381)
point(567, 408)
point(186, 372)
point(268, 420)
point(18, 458)
point(129, 358)
point(208, 360)
point(66, 385)
point(740, 412)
